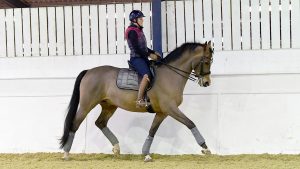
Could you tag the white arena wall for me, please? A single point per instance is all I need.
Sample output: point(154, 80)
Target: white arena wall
point(252, 106)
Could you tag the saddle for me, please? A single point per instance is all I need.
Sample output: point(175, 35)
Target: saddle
point(128, 78)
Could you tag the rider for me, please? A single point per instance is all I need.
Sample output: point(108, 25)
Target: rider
point(139, 52)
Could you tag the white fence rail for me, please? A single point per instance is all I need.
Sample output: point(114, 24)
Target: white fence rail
point(99, 29)
point(69, 30)
point(233, 25)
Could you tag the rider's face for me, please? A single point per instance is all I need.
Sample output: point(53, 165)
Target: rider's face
point(140, 21)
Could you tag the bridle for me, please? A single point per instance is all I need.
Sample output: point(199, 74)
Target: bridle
point(191, 76)
point(204, 60)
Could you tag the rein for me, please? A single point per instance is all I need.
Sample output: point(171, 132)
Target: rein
point(191, 76)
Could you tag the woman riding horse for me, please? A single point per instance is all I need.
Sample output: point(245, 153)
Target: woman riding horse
point(139, 53)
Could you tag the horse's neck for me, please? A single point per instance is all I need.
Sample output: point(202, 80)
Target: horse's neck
point(175, 80)
point(183, 63)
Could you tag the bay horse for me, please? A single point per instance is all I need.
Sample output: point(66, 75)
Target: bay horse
point(98, 86)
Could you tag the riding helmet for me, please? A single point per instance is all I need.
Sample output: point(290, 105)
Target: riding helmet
point(135, 14)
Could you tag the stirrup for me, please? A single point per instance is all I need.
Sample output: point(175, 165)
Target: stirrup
point(142, 103)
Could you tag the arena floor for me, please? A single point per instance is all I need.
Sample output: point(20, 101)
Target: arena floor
point(103, 161)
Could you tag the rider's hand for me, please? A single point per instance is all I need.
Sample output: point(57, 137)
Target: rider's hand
point(153, 56)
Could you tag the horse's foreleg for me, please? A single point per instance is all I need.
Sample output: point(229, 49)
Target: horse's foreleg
point(101, 123)
point(158, 119)
point(179, 116)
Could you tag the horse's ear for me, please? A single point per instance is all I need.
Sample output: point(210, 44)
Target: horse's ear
point(209, 43)
point(209, 46)
point(205, 43)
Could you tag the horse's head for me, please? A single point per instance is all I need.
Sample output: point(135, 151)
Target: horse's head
point(203, 61)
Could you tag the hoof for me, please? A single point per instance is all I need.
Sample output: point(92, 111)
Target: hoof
point(148, 159)
point(206, 151)
point(116, 150)
point(66, 156)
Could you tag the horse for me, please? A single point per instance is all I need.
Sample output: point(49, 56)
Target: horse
point(97, 86)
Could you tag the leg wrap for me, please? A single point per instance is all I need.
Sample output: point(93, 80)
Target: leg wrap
point(199, 138)
point(68, 145)
point(147, 145)
point(110, 136)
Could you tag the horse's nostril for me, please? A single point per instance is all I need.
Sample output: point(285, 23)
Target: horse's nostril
point(206, 84)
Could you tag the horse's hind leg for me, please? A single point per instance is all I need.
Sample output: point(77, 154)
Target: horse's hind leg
point(106, 113)
point(158, 119)
point(79, 117)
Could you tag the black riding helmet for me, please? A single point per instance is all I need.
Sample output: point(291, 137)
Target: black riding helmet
point(135, 14)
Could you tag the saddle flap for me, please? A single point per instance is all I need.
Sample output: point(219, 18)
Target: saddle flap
point(128, 79)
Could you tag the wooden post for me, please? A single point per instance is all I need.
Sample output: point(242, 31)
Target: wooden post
point(156, 24)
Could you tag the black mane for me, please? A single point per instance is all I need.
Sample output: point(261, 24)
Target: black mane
point(176, 53)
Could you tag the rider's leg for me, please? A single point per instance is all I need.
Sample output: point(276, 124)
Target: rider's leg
point(142, 67)
point(141, 94)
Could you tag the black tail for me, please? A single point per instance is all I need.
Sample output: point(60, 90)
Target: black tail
point(72, 109)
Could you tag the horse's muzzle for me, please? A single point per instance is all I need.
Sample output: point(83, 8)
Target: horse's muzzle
point(206, 84)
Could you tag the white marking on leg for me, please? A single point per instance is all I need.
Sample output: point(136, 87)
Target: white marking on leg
point(116, 150)
point(148, 158)
point(206, 151)
point(66, 156)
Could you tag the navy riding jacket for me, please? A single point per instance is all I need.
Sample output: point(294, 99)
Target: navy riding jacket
point(137, 42)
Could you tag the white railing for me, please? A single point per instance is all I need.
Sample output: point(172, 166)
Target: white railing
point(99, 29)
point(232, 24)
point(69, 30)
